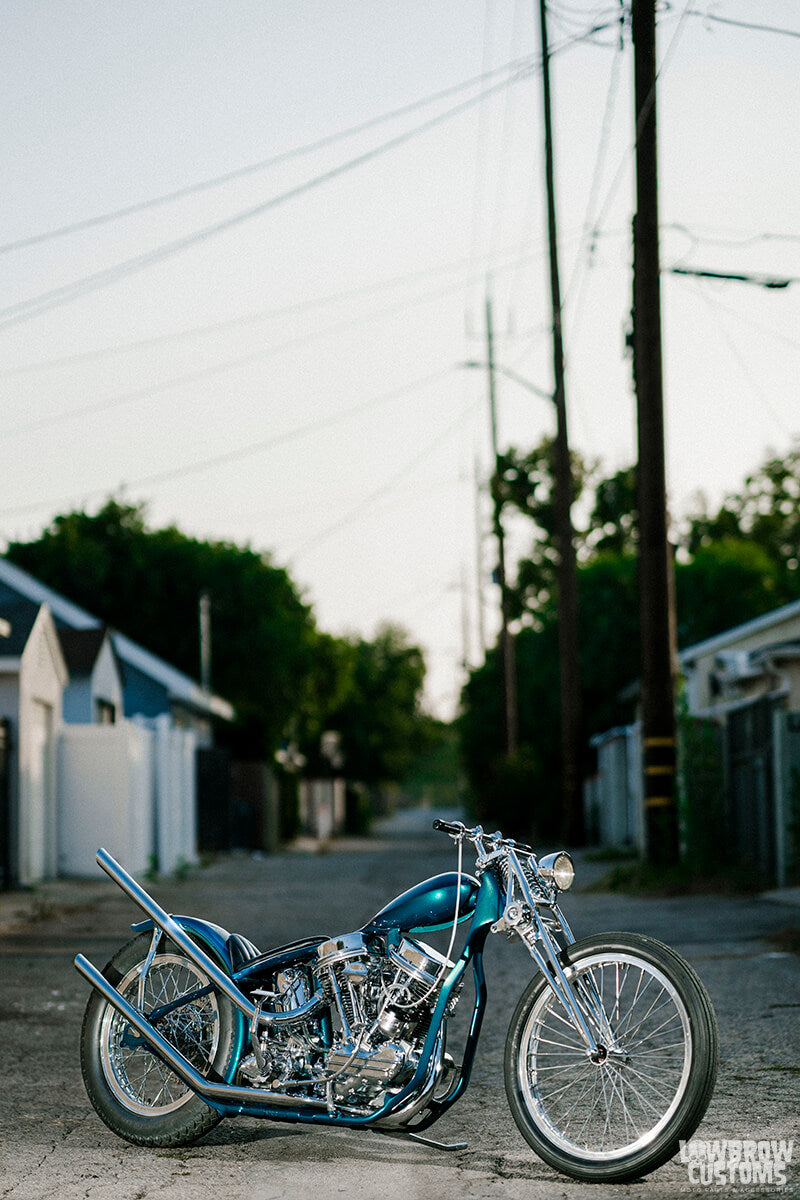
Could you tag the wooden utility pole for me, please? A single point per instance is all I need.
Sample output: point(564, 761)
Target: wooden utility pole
point(567, 582)
point(204, 607)
point(506, 640)
point(656, 583)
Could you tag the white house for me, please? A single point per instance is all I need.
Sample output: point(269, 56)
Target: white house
point(151, 686)
point(101, 741)
point(94, 692)
point(759, 660)
point(33, 675)
point(743, 685)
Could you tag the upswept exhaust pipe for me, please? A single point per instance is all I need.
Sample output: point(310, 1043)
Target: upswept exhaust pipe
point(224, 1093)
point(192, 951)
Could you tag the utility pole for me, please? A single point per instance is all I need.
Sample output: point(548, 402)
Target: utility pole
point(571, 698)
point(204, 606)
point(506, 640)
point(656, 569)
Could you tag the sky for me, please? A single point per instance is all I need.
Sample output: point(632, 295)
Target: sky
point(246, 249)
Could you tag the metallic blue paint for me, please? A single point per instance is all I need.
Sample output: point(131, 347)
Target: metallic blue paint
point(213, 939)
point(486, 909)
point(428, 906)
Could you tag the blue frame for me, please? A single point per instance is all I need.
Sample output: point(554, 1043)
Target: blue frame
point(488, 905)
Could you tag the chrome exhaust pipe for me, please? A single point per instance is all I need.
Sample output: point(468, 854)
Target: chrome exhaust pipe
point(179, 936)
point(225, 1093)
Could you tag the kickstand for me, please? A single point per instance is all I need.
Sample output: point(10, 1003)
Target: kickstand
point(417, 1137)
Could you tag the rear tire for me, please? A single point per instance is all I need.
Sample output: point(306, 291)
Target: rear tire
point(622, 1116)
point(133, 1091)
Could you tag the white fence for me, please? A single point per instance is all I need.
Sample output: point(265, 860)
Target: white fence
point(613, 797)
point(129, 787)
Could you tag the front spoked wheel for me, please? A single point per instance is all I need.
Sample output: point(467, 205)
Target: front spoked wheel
point(620, 1112)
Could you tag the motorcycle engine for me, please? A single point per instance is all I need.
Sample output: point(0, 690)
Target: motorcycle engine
point(380, 1001)
point(383, 1002)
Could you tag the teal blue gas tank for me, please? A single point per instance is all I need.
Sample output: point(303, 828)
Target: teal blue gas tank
point(428, 906)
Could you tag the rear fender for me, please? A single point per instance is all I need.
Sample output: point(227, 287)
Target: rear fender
point(214, 940)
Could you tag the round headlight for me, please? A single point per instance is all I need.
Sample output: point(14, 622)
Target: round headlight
point(559, 868)
point(563, 871)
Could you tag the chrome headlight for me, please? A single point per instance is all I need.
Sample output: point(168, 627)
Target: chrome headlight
point(558, 868)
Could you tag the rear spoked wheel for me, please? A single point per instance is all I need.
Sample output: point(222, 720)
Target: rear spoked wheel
point(620, 1112)
point(133, 1091)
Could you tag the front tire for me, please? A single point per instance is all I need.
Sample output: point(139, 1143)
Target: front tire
point(133, 1091)
point(623, 1115)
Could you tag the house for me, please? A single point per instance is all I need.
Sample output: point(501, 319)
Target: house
point(759, 660)
point(33, 675)
point(151, 686)
point(743, 687)
point(94, 692)
point(99, 741)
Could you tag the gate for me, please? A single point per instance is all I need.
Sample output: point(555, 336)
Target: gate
point(751, 800)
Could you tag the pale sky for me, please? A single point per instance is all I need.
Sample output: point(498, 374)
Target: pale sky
point(275, 360)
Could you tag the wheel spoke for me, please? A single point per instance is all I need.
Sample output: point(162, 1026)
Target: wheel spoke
point(140, 1079)
point(603, 1108)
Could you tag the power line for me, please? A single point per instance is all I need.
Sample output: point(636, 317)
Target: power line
point(106, 405)
point(262, 164)
point(299, 306)
point(241, 452)
point(765, 281)
point(355, 512)
point(708, 16)
point(36, 305)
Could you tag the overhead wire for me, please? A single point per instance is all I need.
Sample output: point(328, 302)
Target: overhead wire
point(751, 25)
point(36, 305)
point(386, 487)
point(262, 165)
point(292, 309)
point(242, 452)
point(108, 404)
point(750, 378)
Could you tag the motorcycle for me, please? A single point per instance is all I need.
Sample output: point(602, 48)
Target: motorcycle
point(610, 1057)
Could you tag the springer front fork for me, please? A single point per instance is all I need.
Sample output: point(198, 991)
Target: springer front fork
point(582, 1002)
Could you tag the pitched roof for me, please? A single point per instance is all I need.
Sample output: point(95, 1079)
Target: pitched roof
point(21, 616)
point(81, 647)
point(16, 583)
point(729, 637)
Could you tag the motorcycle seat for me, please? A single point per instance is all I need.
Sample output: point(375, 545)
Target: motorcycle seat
point(241, 951)
point(302, 950)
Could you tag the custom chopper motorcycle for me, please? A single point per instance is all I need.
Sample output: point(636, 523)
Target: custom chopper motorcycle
point(610, 1057)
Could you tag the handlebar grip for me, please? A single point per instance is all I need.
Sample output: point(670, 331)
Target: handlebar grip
point(447, 826)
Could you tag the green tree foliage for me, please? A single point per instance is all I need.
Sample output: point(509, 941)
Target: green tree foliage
point(379, 716)
point(734, 564)
point(286, 678)
point(147, 584)
point(524, 483)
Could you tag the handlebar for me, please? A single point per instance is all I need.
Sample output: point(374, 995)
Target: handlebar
point(456, 828)
point(448, 826)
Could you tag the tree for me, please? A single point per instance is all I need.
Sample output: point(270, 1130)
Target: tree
point(734, 564)
point(765, 513)
point(379, 715)
point(524, 482)
point(287, 679)
point(146, 583)
point(725, 583)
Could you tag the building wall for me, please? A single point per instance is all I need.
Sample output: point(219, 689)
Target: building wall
point(105, 796)
point(41, 684)
point(84, 691)
point(757, 636)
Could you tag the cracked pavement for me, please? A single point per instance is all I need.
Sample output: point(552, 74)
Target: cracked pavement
point(52, 1145)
